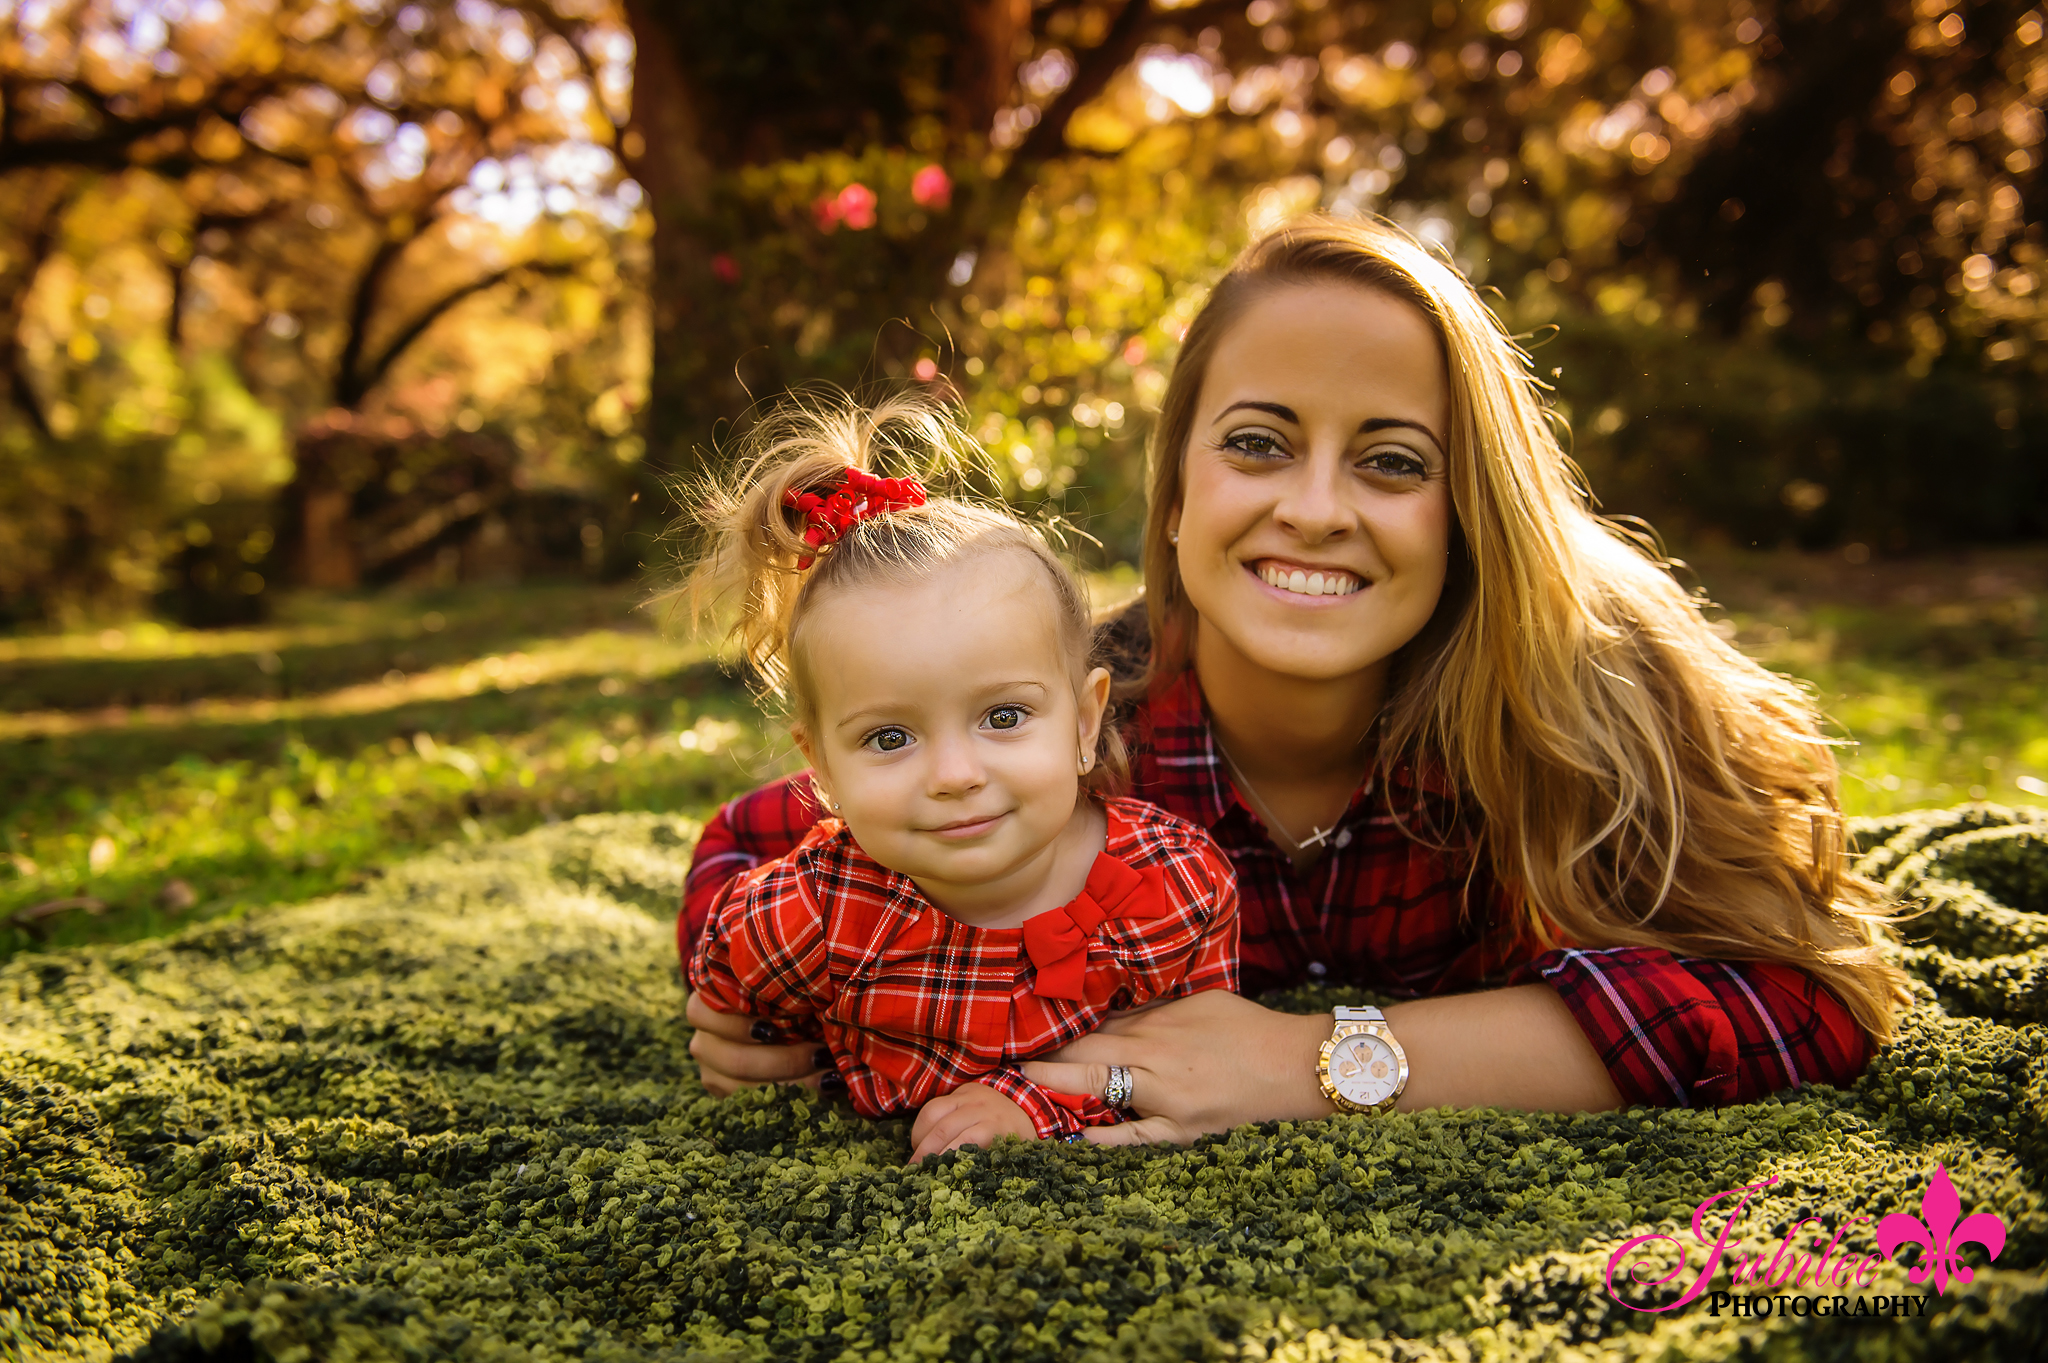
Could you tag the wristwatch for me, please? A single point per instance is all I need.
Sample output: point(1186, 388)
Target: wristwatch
point(1362, 1068)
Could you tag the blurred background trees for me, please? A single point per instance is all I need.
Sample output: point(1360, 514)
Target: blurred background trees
point(352, 292)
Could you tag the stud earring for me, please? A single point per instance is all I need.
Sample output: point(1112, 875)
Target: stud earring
point(1173, 537)
point(1087, 761)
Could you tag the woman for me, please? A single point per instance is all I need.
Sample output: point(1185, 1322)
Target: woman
point(1463, 741)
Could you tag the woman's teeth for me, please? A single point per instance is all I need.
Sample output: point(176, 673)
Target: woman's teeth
point(1308, 584)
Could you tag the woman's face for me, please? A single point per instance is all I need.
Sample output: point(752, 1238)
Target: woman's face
point(1315, 518)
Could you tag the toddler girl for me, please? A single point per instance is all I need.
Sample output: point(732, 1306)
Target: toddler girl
point(979, 897)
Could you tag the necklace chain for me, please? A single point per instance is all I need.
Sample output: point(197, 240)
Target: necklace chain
point(1318, 835)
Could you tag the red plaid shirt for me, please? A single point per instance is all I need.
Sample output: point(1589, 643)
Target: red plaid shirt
point(1388, 913)
point(915, 1003)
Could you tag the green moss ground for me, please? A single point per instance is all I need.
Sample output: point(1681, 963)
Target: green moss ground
point(451, 1115)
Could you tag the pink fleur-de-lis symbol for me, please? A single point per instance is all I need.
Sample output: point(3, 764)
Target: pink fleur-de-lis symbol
point(1939, 1235)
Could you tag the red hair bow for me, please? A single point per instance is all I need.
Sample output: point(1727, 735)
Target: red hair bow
point(828, 516)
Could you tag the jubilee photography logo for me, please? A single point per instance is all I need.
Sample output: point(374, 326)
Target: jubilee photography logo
point(1800, 1277)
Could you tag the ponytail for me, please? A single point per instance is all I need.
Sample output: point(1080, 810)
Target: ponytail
point(762, 563)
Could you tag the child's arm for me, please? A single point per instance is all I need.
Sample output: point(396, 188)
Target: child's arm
point(763, 952)
point(1004, 1103)
point(1213, 962)
point(1197, 876)
point(757, 827)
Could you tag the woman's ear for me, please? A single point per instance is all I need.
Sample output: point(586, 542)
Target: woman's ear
point(1093, 698)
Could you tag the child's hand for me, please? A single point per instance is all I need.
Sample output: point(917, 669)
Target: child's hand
point(973, 1114)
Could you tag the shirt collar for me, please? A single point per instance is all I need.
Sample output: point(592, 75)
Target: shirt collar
point(1183, 740)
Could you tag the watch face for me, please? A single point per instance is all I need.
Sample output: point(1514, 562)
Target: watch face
point(1364, 1070)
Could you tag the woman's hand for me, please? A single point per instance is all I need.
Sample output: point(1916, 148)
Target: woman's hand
point(973, 1114)
point(731, 1054)
point(1205, 1063)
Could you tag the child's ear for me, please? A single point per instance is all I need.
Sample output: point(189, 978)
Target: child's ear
point(1093, 698)
point(819, 781)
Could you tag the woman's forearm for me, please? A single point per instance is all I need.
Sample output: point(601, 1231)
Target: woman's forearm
point(1215, 1061)
point(1519, 1048)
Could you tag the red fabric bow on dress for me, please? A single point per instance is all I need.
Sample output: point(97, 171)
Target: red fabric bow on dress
point(828, 516)
point(1057, 940)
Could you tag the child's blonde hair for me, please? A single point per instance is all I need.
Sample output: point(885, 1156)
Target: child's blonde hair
point(755, 566)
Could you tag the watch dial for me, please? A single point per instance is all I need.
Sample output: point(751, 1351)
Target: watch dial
point(1364, 1070)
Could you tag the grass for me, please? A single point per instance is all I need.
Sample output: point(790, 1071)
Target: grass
point(195, 775)
point(454, 1117)
point(1934, 670)
point(153, 776)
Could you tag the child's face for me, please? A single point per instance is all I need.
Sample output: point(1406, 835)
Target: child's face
point(947, 725)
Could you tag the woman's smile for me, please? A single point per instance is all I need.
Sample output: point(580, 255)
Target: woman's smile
point(1305, 580)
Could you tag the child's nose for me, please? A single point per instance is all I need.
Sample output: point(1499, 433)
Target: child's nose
point(956, 768)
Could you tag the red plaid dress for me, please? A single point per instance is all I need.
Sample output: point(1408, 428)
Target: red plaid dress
point(915, 1003)
point(1393, 915)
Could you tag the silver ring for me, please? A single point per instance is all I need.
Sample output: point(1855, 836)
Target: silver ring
point(1119, 1090)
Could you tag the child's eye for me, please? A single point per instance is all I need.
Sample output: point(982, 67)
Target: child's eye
point(886, 740)
point(1006, 716)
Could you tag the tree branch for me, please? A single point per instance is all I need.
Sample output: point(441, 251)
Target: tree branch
point(418, 327)
point(1095, 68)
point(20, 387)
point(113, 147)
point(348, 386)
point(175, 322)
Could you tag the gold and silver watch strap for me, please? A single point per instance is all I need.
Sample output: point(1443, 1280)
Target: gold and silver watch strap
point(1353, 1015)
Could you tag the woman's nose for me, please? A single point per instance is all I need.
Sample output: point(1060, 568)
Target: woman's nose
point(1311, 501)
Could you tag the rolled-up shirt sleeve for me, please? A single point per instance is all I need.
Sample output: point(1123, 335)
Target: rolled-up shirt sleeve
point(759, 826)
point(1675, 1031)
point(1053, 1115)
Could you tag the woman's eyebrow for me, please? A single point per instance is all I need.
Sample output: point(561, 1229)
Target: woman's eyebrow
point(1366, 427)
point(1392, 423)
point(1269, 408)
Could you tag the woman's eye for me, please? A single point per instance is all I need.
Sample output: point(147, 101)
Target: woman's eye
point(887, 740)
point(1398, 463)
point(1006, 717)
point(1262, 444)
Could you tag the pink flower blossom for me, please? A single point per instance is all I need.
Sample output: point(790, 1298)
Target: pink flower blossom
point(726, 268)
point(856, 206)
point(931, 187)
point(826, 209)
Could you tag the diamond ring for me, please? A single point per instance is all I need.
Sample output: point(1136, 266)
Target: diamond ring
point(1119, 1090)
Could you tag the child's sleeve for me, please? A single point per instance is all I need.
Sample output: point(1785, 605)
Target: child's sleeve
point(762, 951)
point(1201, 878)
point(1054, 1115)
point(755, 828)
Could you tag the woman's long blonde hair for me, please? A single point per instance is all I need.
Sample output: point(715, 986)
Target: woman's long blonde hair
point(752, 575)
point(1638, 780)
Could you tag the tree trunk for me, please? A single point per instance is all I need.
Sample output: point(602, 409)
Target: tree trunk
point(663, 146)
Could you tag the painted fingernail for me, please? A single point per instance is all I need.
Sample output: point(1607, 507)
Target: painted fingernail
point(822, 1058)
point(831, 1081)
point(763, 1032)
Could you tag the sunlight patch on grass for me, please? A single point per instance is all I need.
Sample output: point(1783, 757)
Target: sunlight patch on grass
point(613, 655)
